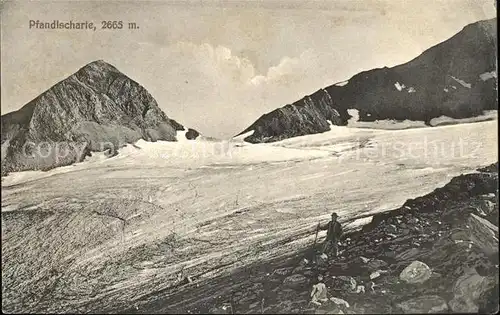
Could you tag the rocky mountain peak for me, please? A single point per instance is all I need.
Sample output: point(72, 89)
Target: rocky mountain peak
point(97, 108)
point(456, 78)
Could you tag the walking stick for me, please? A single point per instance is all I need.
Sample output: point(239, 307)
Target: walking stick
point(315, 240)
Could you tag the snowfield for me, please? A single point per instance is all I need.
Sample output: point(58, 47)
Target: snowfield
point(445, 120)
point(101, 233)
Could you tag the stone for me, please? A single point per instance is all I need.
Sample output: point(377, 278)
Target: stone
point(295, 280)
point(488, 196)
point(483, 234)
point(374, 275)
point(416, 272)
point(364, 259)
point(467, 290)
point(322, 261)
point(489, 301)
point(424, 304)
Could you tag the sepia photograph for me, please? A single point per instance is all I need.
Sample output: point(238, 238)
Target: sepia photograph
point(249, 157)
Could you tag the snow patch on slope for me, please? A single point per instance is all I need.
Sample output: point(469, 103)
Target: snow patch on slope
point(342, 83)
point(354, 113)
point(462, 82)
point(399, 86)
point(445, 120)
point(243, 135)
point(330, 124)
point(488, 75)
point(181, 135)
point(388, 124)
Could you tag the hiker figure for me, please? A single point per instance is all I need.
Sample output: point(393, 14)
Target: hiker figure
point(319, 292)
point(332, 236)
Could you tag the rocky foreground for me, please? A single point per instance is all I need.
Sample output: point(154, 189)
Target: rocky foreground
point(437, 253)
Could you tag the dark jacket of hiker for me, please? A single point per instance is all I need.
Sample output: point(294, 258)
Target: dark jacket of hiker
point(334, 230)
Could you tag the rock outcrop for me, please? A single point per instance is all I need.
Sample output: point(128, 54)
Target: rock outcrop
point(456, 78)
point(484, 234)
point(97, 108)
point(467, 291)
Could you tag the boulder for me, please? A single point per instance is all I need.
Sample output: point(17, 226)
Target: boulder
point(489, 301)
point(377, 273)
point(467, 290)
point(424, 304)
point(374, 275)
point(483, 234)
point(416, 272)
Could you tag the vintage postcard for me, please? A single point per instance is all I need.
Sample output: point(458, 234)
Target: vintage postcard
point(258, 157)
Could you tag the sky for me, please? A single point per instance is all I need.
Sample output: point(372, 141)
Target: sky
point(216, 66)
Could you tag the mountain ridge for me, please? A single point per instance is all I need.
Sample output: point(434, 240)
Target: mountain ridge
point(97, 108)
point(445, 80)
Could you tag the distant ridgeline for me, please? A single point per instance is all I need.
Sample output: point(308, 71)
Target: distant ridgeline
point(98, 108)
point(456, 78)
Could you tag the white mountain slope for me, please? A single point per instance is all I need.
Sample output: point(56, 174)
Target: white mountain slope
point(105, 231)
